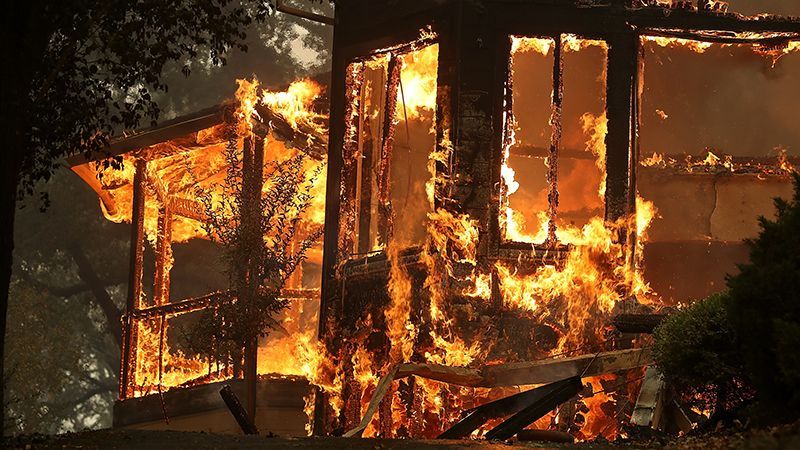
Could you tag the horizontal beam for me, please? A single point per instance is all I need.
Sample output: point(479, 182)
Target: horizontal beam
point(531, 372)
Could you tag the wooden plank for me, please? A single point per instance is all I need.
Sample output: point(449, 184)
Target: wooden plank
point(530, 372)
point(550, 370)
point(246, 422)
point(454, 375)
point(649, 408)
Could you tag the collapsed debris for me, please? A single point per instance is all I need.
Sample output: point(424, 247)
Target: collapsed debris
point(560, 373)
point(552, 395)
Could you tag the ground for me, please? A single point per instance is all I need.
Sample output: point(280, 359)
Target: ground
point(784, 437)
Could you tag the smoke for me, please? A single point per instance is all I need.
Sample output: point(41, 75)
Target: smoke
point(750, 7)
point(727, 99)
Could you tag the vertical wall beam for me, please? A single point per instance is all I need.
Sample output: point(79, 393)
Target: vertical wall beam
point(474, 129)
point(163, 254)
point(385, 213)
point(349, 215)
point(555, 139)
point(621, 98)
point(129, 350)
point(330, 300)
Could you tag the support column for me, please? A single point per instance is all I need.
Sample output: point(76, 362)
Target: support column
point(621, 99)
point(385, 213)
point(129, 350)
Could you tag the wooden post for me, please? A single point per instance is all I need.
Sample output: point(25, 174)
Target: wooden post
point(621, 97)
point(349, 214)
point(163, 254)
point(555, 140)
point(129, 350)
point(330, 300)
point(366, 145)
point(385, 213)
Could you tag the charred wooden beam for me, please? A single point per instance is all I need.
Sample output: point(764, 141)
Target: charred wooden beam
point(163, 254)
point(191, 209)
point(352, 157)
point(549, 370)
point(492, 410)
point(330, 302)
point(252, 239)
point(366, 151)
point(637, 323)
point(157, 185)
point(551, 396)
point(555, 140)
point(654, 18)
point(183, 307)
point(621, 98)
point(245, 421)
point(128, 366)
point(767, 39)
point(385, 212)
point(531, 372)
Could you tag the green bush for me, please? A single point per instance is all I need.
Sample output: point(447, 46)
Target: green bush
point(765, 309)
point(696, 351)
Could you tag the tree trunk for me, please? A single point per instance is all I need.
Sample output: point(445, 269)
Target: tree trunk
point(22, 44)
point(11, 129)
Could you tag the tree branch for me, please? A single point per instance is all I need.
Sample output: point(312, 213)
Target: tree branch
point(89, 276)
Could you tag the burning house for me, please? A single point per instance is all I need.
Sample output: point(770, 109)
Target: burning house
point(504, 183)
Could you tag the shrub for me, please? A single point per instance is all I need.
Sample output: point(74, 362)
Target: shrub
point(696, 351)
point(765, 309)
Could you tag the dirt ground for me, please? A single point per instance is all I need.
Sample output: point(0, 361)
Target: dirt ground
point(784, 437)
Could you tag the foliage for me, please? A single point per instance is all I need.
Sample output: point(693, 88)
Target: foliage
point(62, 356)
point(696, 350)
point(264, 239)
point(765, 308)
point(61, 365)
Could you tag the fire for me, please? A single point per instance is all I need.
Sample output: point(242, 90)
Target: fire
point(596, 127)
point(528, 44)
point(417, 93)
point(295, 104)
point(597, 421)
point(177, 169)
point(696, 46)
